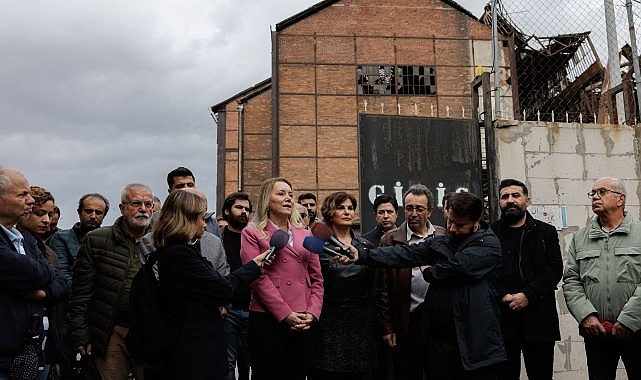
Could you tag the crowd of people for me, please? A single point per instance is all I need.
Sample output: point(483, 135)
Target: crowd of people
point(248, 298)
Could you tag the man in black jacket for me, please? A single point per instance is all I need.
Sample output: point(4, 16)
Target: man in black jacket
point(27, 281)
point(532, 268)
point(461, 336)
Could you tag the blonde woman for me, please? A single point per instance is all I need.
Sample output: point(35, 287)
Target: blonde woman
point(287, 298)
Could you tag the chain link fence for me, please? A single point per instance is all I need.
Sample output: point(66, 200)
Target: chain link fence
point(563, 67)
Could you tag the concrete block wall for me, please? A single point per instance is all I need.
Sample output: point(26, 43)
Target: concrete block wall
point(559, 163)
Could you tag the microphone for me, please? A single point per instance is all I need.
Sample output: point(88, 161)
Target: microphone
point(318, 246)
point(278, 240)
point(324, 233)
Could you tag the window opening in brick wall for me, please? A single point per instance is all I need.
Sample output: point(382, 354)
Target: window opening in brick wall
point(376, 80)
point(416, 80)
point(391, 80)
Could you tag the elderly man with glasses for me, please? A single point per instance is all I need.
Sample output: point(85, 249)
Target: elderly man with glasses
point(602, 283)
point(401, 292)
point(108, 260)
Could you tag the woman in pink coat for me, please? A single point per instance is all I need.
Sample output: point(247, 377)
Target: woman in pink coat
point(287, 298)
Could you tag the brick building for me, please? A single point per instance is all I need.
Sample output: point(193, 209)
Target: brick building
point(333, 61)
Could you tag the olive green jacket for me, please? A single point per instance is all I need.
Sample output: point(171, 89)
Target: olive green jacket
point(100, 282)
point(603, 273)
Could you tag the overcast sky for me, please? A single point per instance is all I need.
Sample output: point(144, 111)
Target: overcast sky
point(95, 95)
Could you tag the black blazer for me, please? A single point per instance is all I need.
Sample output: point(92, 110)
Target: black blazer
point(541, 268)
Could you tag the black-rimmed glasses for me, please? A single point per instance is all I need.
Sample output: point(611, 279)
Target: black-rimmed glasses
point(601, 192)
point(139, 204)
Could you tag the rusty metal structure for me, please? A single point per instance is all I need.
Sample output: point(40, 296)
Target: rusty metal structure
point(560, 77)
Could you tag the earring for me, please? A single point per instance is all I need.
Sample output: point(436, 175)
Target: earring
point(267, 208)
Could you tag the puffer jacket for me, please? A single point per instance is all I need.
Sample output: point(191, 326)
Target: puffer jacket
point(66, 243)
point(105, 257)
point(603, 273)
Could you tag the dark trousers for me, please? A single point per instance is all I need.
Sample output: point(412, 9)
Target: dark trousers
point(603, 357)
point(319, 374)
point(236, 329)
point(538, 358)
point(443, 362)
point(277, 353)
point(407, 354)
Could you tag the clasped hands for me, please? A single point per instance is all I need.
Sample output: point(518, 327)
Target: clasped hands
point(299, 321)
point(594, 327)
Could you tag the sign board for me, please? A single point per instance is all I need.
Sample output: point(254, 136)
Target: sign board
point(396, 152)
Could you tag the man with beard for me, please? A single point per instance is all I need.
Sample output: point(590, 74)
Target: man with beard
point(236, 210)
point(308, 200)
point(92, 209)
point(461, 335)
point(108, 260)
point(601, 283)
point(532, 267)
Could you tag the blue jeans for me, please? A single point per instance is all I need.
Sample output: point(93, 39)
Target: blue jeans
point(236, 329)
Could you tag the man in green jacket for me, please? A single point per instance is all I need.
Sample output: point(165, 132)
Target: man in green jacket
point(107, 262)
point(602, 283)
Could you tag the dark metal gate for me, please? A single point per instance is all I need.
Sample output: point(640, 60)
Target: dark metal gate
point(396, 152)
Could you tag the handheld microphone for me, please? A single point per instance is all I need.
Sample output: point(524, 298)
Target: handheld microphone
point(324, 233)
point(278, 240)
point(318, 246)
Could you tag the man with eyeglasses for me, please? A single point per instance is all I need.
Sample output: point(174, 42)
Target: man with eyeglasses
point(601, 283)
point(401, 292)
point(108, 260)
point(531, 270)
point(236, 209)
point(92, 209)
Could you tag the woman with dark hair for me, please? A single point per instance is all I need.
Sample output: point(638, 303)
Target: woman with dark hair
point(38, 224)
point(346, 345)
point(287, 298)
point(192, 289)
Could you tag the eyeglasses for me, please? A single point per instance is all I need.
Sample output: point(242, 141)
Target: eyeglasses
point(418, 209)
point(601, 192)
point(139, 204)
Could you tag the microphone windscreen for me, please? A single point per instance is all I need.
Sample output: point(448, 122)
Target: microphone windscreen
point(313, 244)
point(279, 239)
point(321, 231)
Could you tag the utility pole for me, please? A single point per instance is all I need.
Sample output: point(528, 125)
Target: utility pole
point(497, 80)
point(635, 55)
point(613, 56)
